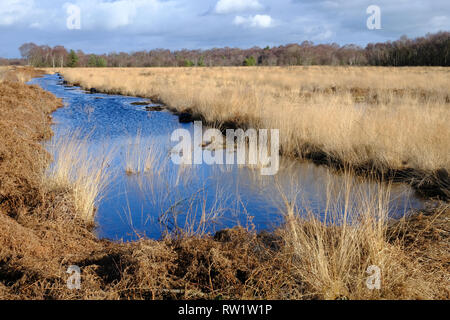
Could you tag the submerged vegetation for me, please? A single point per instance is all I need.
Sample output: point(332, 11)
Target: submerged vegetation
point(46, 208)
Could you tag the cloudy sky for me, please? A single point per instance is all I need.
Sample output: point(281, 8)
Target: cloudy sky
point(132, 25)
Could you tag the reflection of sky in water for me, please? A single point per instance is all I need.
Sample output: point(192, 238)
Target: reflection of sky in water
point(146, 203)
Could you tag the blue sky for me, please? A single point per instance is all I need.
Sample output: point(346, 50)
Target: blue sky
point(132, 25)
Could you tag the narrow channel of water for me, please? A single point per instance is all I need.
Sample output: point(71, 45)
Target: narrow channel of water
point(150, 203)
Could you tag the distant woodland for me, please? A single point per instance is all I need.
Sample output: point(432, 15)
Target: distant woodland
point(430, 50)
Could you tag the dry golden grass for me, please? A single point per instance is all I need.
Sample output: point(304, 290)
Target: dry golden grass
point(3, 71)
point(75, 168)
point(24, 122)
point(331, 258)
point(387, 117)
point(18, 74)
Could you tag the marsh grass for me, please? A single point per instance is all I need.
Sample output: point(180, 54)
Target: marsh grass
point(365, 116)
point(322, 255)
point(180, 209)
point(18, 74)
point(80, 169)
point(330, 254)
point(3, 71)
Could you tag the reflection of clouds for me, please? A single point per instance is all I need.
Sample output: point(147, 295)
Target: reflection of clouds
point(316, 188)
point(231, 194)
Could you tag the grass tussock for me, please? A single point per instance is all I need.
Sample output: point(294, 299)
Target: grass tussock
point(393, 120)
point(42, 233)
point(18, 74)
point(80, 170)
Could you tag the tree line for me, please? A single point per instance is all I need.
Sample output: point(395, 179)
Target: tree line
point(430, 50)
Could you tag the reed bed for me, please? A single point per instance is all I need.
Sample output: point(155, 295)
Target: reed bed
point(383, 117)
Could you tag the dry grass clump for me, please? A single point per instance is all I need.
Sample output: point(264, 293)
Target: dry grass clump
point(18, 74)
point(80, 170)
point(425, 238)
point(332, 258)
point(370, 118)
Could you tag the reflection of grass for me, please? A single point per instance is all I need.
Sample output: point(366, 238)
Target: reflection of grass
point(79, 169)
point(181, 206)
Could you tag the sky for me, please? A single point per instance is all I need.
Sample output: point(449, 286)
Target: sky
point(102, 26)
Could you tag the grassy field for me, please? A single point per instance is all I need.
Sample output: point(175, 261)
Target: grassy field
point(390, 120)
point(45, 217)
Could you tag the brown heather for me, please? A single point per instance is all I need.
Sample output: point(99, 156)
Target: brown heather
point(42, 230)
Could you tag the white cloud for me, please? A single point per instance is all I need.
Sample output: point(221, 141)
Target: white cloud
point(440, 23)
point(234, 6)
point(257, 21)
point(105, 15)
point(100, 14)
point(13, 11)
point(95, 14)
